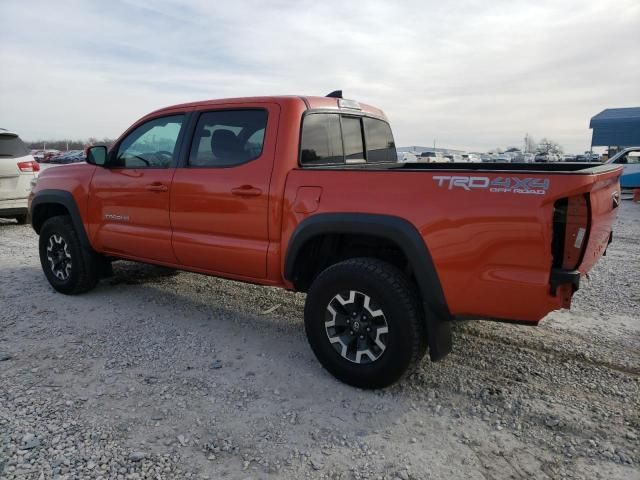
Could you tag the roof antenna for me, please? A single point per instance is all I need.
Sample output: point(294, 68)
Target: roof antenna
point(335, 94)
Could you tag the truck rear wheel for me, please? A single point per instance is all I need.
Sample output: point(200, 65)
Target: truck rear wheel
point(69, 267)
point(364, 322)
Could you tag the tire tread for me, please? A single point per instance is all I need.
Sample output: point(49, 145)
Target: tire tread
point(403, 290)
point(88, 261)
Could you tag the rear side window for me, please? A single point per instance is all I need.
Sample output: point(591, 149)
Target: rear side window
point(380, 144)
point(228, 137)
point(352, 137)
point(12, 146)
point(321, 142)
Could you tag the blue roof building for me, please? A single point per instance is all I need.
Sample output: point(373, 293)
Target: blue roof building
point(616, 127)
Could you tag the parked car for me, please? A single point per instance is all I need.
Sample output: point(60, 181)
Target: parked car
point(502, 157)
point(381, 249)
point(17, 169)
point(568, 158)
point(629, 158)
point(404, 157)
point(38, 155)
point(541, 158)
point(72, 156)
point(453, 157)
point(430, 157)
point(471, 157)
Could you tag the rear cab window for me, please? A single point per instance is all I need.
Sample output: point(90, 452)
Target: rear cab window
point(329, 139)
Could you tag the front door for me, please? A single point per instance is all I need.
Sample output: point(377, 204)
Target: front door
point(220, 198)
point(129, 199)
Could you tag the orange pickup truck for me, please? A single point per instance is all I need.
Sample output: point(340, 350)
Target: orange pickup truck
point(306, 193)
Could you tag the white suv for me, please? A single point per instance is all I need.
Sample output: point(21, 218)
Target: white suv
point(17, 169)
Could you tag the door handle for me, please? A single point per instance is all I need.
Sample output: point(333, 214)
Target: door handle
point(156, 187)
point(246, 191)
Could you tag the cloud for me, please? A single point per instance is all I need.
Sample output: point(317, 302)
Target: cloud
point(469, 74)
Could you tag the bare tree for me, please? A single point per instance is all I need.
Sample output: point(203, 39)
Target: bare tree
point(548, 146)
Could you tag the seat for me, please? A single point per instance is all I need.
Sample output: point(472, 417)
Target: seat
point(226, 148)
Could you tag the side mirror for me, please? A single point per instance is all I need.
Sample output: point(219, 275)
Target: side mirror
point(97, 156)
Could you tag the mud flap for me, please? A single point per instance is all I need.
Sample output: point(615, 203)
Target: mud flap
point(439, 335)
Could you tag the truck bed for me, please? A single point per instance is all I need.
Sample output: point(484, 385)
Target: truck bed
point(508, 240)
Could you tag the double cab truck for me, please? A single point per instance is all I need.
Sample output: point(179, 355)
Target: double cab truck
point(306, 193)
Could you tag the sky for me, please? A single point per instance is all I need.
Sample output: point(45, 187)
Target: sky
point(473, 75)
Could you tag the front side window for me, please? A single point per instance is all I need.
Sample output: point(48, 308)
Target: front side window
point(380, 144)
point(228, 137)
point(153, 144)
point(321, 142)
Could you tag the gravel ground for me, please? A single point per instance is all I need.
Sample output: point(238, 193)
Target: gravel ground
point(161, 375)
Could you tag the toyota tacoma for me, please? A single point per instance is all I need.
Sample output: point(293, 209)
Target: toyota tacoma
point(306, 193)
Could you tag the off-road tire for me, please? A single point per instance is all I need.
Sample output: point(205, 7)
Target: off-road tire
point(394, 294)
point(86, 265)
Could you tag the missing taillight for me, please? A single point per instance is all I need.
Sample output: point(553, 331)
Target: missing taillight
point(559, 222)
point(571, 222)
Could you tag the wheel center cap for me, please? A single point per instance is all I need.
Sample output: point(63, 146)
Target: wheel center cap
point(356, 325)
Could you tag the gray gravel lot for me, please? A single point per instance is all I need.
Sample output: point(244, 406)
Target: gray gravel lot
point(161, 375)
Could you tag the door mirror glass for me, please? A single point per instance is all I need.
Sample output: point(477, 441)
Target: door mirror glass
point(97, 156)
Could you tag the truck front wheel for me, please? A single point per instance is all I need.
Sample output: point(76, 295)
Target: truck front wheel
point(69, 267)
point(364, 322)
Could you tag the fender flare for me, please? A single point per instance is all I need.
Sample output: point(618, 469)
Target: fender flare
point(406, 236)
point(66, 199)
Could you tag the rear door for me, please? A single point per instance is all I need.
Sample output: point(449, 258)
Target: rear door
point(220, 196)
point(129, 200)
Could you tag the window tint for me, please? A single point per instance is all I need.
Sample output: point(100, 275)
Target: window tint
point(228, 137)
point(12, 146)
point(321, 140)
point(380, 144)
point(151, 145)
point(352, 138)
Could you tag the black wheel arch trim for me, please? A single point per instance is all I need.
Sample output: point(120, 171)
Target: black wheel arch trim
point(65, 199)
point(409, 240)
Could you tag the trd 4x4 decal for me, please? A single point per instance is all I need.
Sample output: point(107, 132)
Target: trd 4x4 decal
point(531, 186)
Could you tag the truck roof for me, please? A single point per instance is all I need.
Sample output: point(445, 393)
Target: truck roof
point(311, 102)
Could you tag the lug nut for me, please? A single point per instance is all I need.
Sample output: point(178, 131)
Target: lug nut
point(361, 337)
point(350, 332)
point(368, 329)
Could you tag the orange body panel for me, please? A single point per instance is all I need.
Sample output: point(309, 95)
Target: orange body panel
point(492, 250)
